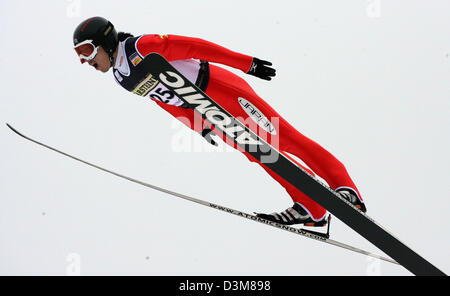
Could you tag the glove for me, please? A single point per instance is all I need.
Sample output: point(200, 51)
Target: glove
point(207, 133)
point(261, 69)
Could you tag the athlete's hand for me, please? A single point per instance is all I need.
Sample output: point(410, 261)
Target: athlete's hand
point(207, 133)
point(261, 69)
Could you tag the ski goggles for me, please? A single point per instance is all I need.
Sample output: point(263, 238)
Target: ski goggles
point(86, 50)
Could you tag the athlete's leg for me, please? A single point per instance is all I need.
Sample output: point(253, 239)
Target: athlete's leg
point(226, 88)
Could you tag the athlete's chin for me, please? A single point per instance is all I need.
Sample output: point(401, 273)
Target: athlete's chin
point(103, 70)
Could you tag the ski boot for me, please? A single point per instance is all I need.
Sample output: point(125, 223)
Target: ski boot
point(351, 196)
point(293, 215)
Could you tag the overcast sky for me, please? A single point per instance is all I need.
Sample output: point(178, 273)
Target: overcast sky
point(368, 80)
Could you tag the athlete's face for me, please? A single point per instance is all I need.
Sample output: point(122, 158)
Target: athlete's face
point(101, 61)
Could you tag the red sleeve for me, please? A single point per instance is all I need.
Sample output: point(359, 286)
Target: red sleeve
point(174, 47)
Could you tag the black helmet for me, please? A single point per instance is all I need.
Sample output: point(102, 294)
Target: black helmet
point(100, 31)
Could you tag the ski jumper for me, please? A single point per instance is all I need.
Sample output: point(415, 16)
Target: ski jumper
point(190, 56)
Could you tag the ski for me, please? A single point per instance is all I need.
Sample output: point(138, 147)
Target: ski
point(163, 72)
point(322, 237)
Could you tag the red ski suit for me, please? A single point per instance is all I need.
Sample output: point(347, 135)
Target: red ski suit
point(226, 88)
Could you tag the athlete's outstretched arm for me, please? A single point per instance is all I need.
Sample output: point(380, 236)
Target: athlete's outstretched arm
point(175, 47)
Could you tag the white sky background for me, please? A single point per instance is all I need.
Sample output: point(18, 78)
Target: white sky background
point(368, 80)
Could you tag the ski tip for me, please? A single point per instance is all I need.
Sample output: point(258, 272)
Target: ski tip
point(8, 125)
point(14, 130)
